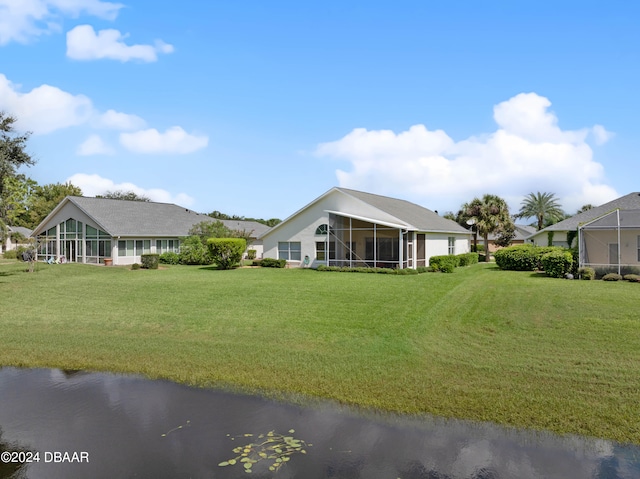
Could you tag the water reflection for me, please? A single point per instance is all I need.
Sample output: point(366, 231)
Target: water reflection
point(131, 427)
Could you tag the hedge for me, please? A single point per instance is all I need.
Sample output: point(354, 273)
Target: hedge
point(557, 263)
point(523, 257)
point(226, 252)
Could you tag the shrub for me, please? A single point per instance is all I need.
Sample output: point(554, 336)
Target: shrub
point(136, 266)
point(226, 252)
point(169, 258)
point(467, 259)
point(444, 264)
point(193, 251)
point(587, 273)
point(150, 261)
point(557, 264)
point(272, 263)
point(633, 278)
point(612, 277)
point(523, 257)
point(251, 254)
point(11, 254)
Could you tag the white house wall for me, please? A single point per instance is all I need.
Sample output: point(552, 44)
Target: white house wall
point(302, 227)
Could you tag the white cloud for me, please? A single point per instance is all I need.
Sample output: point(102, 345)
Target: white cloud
point(84, 44)
point(528, 152)
point(94, 145)
point(92, 185)
point(45, 108)
point(173, 141)
point(120, 121)
point(23, 20)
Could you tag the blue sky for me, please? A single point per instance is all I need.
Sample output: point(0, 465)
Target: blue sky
point(256, 108)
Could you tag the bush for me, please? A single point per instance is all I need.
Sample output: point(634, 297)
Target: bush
point(523, 257)
point(557, 264)
point(193, 251)
point(444, 264)
point(612, 277)
point(467, 259)
point(136, 266)
point(587, 273)
point(226, 252)
point(251, 254)
point(150, 261)
point(633, 278)
point(169, 258)
point(271, 263)
point(11, 254)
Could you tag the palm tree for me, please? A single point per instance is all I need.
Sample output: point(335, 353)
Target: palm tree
point(490, 214)
point(542, 206)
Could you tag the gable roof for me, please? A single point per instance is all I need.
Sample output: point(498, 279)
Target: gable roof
point(414, 216)
point(145, 218)
point(627, 202)
point(408, 215)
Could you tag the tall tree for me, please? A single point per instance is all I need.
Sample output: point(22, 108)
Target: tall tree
point(45, 198)
point(490, 215)
point(123, 195)
point(13, 155)
point(584, 208)
point(544, 207)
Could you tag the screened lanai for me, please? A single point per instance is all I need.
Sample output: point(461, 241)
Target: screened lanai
point(356, 241)
point(611, 243)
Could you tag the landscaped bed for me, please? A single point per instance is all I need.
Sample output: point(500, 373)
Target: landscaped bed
point(516, 348)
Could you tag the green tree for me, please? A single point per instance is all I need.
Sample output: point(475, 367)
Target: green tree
point(490, 214)
point(210, 229)
point(15, 205)
point(542, 206)
point(584, 208)
point(123, 195)
point(45, 198)
point(13, 155)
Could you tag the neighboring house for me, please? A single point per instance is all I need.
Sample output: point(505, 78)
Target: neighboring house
point(90, 230)
point(558, 232)
point(522, 233)
point(611, 243)
point(345, 227)
point(16, 236)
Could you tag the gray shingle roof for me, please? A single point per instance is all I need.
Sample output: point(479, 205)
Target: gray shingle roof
point(142, 218)
point(627, 202)
point(26, 232)
point(422, 219)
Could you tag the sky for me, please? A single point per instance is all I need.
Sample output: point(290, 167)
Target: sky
point(256, 108)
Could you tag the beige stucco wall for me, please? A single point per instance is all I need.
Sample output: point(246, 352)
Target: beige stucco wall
point(596, 243)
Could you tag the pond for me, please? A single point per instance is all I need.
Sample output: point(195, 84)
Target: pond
point(94, 425)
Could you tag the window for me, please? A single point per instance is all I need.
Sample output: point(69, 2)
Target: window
point(133, 247)
point(163, 246)
point(639, 249)
point(321, 252)
point(97, 244)
point(452, 245)
point(289, 250)
point(322, 229)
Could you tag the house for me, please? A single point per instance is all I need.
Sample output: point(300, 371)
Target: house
point(559, 233)
point(16, 236)
point(90, 230)
point(522, 232)
point(345, 227)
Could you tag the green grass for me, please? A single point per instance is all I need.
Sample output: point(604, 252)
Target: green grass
point(514, 348)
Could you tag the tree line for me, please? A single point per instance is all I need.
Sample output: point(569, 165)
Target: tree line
point(489, 214)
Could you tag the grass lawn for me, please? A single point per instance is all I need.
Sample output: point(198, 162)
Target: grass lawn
point(514, 348)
